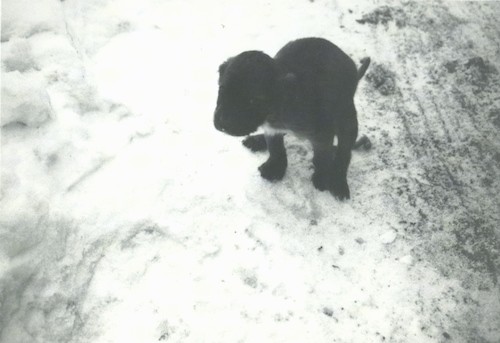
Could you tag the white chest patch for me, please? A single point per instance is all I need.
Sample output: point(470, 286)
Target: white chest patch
point(272, 131)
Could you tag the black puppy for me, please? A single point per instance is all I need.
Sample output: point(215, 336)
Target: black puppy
point(308, 89)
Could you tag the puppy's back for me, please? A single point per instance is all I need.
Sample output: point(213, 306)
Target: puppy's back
point(315, 60)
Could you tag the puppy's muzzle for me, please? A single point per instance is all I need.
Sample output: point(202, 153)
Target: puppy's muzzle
point(218, 121)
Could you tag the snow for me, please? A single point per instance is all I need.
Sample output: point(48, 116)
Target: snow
point(126, 217)
point(24, 99)
point(23, 18)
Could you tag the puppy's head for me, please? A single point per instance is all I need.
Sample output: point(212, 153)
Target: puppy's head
point(246, 93)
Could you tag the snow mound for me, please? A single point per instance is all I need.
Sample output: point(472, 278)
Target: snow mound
point(24, 99)
point(18, 56)
point(43, 15)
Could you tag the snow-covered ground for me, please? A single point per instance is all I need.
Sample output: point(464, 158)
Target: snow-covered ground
point(126, 217)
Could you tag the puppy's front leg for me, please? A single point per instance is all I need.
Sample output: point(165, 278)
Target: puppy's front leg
point(256, 142)
point(275, 166)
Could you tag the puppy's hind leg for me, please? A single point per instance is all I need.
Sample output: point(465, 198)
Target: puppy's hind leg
point(347, 133)
point(323, 162)
point(255, 142)
point(275, 166)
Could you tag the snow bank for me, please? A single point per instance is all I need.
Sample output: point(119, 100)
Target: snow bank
point(18, 55)
point(24, 99)
point(25, 18)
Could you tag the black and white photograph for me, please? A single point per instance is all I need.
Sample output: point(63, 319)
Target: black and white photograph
point(266, 171)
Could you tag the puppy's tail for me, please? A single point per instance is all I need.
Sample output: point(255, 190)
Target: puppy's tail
point(365, 62)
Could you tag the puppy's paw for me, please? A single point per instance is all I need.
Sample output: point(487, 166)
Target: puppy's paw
point(340, 189)
point(255, 143)
point(273, 170)
point(363, 142)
